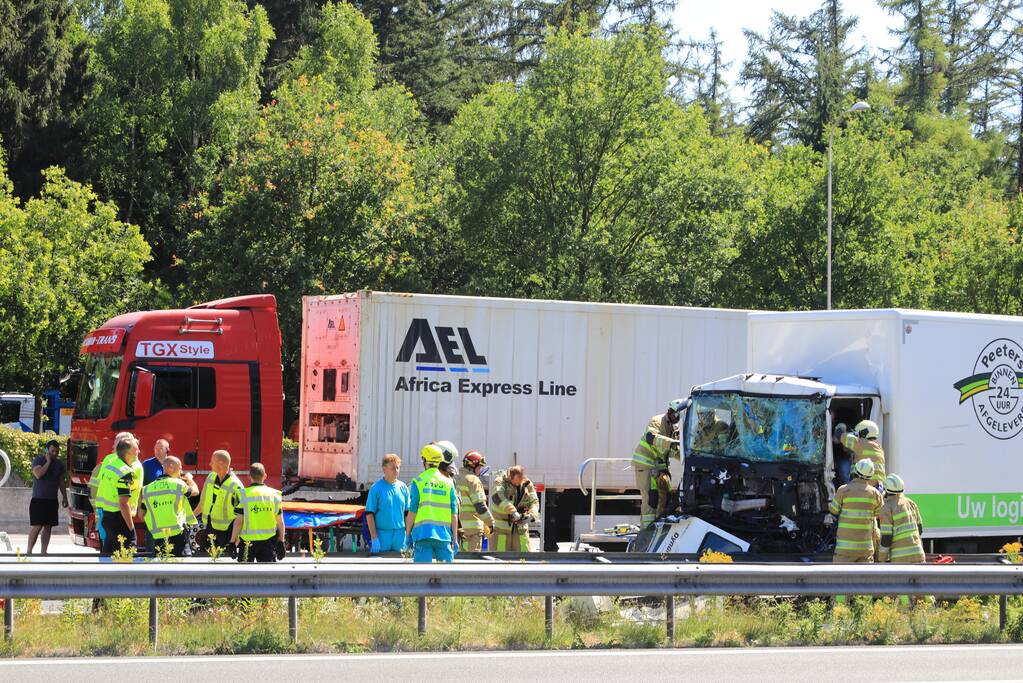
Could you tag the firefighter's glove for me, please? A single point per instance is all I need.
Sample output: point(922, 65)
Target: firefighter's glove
point(280, 550)
point(840, 431)
point(231, 550)
point(374, 546)
point(829, 519)
point(516, 517)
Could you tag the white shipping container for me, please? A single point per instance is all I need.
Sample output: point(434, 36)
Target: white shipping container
point(950, 387)
point(544, 384)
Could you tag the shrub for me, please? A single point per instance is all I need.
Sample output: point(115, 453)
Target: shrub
point(22, 447)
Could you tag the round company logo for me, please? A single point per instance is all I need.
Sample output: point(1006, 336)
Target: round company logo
point(994, 388)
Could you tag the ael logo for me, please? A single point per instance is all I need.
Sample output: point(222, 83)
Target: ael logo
point(421, 335)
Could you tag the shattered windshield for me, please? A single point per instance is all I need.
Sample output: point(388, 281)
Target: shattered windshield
point(761, 429)
point(96, 392)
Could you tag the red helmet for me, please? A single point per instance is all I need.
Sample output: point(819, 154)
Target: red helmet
point(473, 459)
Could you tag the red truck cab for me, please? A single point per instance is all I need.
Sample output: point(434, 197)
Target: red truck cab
point(203, 378)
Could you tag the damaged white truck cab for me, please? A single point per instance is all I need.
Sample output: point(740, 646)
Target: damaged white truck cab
point(946, 390)
point(759, 458)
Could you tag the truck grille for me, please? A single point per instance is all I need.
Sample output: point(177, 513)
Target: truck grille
point(80, 498)
point(83, 456)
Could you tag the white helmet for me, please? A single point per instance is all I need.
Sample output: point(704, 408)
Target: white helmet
point(678, 405)
point(449, 450)
point(867, 429)
point(864, 469)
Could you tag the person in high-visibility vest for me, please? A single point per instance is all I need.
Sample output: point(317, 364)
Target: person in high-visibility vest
point(114, 494)
point(431, 525)
point(258, 531)
point(856, 506)
point(864, 444)
point(650, 460)
point(93, 484)
point(901, 525)
point(474, 516)
point(221, 494)
point(516, 505)
point(166, 508)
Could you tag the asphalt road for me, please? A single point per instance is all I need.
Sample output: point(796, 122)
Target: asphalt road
point(915, 663)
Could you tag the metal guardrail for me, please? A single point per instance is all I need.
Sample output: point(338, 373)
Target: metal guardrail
point(335, 579)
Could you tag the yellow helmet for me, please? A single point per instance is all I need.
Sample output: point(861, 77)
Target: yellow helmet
point(867, 429)
point(864, 469)
point(432, 454)
point(893, 484)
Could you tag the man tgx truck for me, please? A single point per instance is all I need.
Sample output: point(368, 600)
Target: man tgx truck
point(542, 384)
point(203, 378)
point(945, 389)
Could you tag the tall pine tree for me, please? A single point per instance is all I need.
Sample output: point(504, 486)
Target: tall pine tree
point(800, 73)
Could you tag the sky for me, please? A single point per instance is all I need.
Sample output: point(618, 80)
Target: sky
point(694, 19)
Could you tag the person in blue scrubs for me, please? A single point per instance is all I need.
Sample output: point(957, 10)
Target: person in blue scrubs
point(386, 505)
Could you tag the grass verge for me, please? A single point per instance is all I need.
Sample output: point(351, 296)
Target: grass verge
point(337, 625)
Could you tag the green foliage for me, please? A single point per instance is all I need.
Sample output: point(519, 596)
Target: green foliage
point(568, 186)
point(493, 148)
point(317, 200)
point(799, 74)
point(177, 84)
point(23, 447)
point(41, 67)
point(66, 265)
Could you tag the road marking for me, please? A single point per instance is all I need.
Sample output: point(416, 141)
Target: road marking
point(858, 650)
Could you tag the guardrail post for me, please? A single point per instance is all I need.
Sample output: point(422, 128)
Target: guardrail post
point(548, 616)
point(422, 616)
point(8, 619)
point(154, 621)
point(669, 617)
point(1003, 606)
point(293, 618)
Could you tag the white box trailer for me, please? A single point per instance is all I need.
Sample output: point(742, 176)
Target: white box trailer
point(951, 408)
point(544, 384)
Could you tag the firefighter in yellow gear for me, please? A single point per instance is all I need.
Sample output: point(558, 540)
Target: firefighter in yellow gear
point(863, 442)
point(516, 505)
point(650, 461)
point(901, 525)
point(165, 502)
point(474, 516)
point(856, 506)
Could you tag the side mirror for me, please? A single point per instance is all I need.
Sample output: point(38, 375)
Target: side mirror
point(144, 383)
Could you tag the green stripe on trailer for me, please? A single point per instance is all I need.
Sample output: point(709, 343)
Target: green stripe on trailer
point(946, 510)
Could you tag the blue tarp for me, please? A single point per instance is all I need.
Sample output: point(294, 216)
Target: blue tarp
point(313, 520)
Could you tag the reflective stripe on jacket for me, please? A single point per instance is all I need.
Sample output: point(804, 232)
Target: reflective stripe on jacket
point(649, 456)
point(900, 520)
point(167, 509)
point(111, 483)
point(434, 509)
point(261, 505)
point(856, 506)
point(866, 449)
point(509, 499)
point(473, 512)
point(218, 501)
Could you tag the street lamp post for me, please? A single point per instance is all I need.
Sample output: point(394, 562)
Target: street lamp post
point(855, 109)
